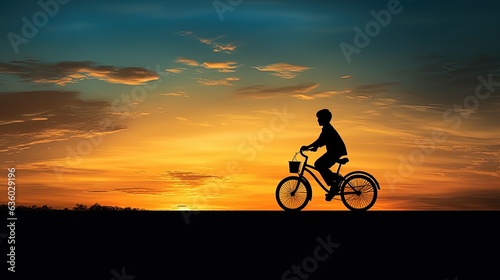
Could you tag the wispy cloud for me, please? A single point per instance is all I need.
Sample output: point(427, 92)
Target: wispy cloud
point(188, 181)
point(283, 70)
point(465, 67)
point(139, 190)
point(228, 66)
point(63, 113)
point(175, 94)
point(190, 122)
point(220, 66)
point(216, 47)
point(263, 92)
point(187, 176)
point(346, 76)
point(437, 77)
point(174, 70)
point(320, 94)
point(365, 92)
point(482, 199)
point(66, 72)
point(187, 61)
point(221, 82)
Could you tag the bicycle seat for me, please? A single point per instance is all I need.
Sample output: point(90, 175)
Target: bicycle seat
point(343, 160)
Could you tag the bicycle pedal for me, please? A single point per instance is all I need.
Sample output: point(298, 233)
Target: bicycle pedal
point(329, 197)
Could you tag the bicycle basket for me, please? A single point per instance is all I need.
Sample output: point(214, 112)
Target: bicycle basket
point(294, 165)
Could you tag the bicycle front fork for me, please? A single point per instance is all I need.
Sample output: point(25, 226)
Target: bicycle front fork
point(297, 186)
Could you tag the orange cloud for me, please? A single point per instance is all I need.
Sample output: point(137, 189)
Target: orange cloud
point(283, 70)
point(322, 94)
point(260, 91)
point(63, 113)
point(187, 61)
point(224, 48)
point(128, 76)
point(301, 91)
point(176, 94)
point(174, 70)
point(221, 82)
point(221, 66)
point(66, 72)
point(188, 178)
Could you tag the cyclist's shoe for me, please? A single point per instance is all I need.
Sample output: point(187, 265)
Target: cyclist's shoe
point(334, 190)
point(329, 197)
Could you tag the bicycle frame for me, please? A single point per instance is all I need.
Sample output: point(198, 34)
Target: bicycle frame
point(307, 167)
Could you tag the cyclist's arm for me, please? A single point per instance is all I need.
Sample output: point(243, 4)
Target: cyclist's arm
point(320, 142)
point(314, 146)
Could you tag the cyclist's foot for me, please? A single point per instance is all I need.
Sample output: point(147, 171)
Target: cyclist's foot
point(333, 191)
point(329, 197)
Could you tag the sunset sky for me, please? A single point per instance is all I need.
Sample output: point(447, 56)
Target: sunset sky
point(173, 105)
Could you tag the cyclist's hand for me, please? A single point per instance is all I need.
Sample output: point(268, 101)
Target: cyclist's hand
point(313, 149)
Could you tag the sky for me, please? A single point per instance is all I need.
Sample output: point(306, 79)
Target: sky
point(184, 105)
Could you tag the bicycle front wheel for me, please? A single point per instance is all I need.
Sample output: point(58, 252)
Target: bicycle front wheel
point(293, 194)
point(358, 192)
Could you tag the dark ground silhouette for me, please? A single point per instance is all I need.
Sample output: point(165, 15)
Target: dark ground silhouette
point(256, 244)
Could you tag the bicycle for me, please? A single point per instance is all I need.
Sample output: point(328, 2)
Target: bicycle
point(358, 189)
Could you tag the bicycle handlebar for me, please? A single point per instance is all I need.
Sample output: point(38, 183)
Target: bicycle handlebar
point(302, 153)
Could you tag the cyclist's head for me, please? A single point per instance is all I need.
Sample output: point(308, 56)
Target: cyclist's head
point(324, 116)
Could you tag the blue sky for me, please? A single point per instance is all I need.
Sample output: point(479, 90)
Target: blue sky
point(217, 76)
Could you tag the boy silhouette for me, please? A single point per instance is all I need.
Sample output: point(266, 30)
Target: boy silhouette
point(335, 148)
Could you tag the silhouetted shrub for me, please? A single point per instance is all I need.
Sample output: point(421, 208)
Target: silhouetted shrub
point(78, 207)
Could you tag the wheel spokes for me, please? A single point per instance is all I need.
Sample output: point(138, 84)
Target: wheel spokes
point(297, 199)
point(362, 195)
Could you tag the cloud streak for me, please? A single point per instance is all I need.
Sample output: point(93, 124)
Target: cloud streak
point(68, 72)
point(175, 94)
point(216, 47)
point(306, 91)
point(221, 82)
point(263, 92)
point(52, 116)
point(187, 61)
point(221, 66)
point(283, 70)
point(174, 70)
point(321, 94)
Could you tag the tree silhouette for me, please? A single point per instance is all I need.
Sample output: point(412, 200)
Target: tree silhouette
point(78, 207)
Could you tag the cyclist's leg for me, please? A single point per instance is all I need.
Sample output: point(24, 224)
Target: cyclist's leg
point(323, 165)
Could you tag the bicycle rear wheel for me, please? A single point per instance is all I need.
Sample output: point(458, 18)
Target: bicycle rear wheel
point(358, 192)
point(289, 200)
